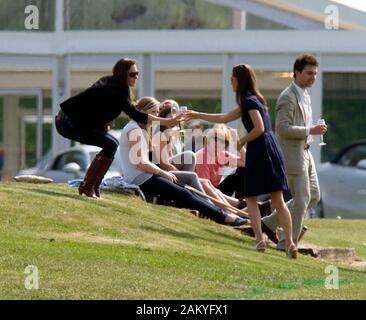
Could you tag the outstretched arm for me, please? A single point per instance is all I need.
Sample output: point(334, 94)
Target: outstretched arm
point(166, 122)
point(145, 118)
point(215, 117)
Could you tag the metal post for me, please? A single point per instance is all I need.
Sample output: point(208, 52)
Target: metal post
point(148, 76)
point(58, 142)
point(39, 134)
point(59, 16)
point(227, 95)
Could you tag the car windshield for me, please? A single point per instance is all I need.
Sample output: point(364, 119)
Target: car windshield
point(45, 161)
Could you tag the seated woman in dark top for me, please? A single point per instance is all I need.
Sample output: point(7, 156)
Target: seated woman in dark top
point(86, 117)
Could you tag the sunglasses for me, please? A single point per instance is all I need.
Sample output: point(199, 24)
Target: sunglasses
point(133, 74)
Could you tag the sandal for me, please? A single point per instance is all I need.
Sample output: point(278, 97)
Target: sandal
point(292, 252)
point(261, 246)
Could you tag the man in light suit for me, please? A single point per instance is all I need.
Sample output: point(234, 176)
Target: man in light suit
point(294, 130)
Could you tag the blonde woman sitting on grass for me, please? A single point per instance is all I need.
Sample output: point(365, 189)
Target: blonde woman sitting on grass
point(154, 181)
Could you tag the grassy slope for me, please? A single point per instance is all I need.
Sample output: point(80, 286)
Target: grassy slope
point(123, 248)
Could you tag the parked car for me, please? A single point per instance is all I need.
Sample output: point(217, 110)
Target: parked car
point(70, 164)
point(343, 184)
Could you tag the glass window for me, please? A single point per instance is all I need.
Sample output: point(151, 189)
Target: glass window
point(69, 157)
point(344, 110)
point(258, 23)
point(12, 16)
point(146, 14)
point(28, 108)
point(353, 156)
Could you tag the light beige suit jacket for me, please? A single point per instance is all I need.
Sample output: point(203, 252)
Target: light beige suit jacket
point(291, 129)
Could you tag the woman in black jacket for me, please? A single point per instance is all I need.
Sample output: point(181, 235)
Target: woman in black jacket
point(85, 118)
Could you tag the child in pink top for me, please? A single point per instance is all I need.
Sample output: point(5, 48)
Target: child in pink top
point(210, 166)
point(212, 159)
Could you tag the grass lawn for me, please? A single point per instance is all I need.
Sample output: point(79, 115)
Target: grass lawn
point(123, 248)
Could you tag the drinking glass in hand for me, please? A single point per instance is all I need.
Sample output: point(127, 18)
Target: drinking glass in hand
point(181, 124)
point(181, 111)
point(322, 143)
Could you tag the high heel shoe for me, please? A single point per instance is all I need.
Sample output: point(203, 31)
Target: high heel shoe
point(292, 252)
point(261, 246)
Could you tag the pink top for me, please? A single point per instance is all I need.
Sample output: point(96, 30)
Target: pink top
point(208, 168)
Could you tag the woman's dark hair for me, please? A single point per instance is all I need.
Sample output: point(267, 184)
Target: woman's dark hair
point(304, 60)
point(247, 84)
point(120, 72)
point(166, 108)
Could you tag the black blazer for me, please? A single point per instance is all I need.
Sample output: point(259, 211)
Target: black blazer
point(101, 103)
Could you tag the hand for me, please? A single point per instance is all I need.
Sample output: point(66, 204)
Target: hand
point(172, 122)
point(239, 145)
point(190, 115)
point(243, 154)
point(169, 176)
point(318, 129)
point(234, 133)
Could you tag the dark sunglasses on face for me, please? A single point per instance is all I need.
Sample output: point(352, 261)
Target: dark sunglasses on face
point(133, 74)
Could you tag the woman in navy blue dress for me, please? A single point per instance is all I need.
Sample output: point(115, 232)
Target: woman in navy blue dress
point(265, 172)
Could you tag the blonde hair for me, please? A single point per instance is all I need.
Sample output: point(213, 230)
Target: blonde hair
point(172, 102)
point(218, 132)
point(147, 103)
point(144, 105)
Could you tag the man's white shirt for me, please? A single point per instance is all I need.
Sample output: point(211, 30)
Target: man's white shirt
point(306, 102)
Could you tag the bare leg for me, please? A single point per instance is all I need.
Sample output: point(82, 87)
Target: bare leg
point(233, 201)
point(284, 217)
point(211, 191)
point(255, 219)
point(225, 198)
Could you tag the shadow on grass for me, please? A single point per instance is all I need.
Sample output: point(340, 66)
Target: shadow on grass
point(190, 236)
point(225, 236)
point(64, 195)
point(174, 233)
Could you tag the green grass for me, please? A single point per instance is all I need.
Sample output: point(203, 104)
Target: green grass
point(123, 248)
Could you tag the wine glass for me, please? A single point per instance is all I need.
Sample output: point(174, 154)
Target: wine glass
point(182, 109)
point(322, 143)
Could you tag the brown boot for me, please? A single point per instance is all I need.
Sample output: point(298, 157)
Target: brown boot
point(104, 164)
point(95, 173)
point(87, 186)
point(97, 189)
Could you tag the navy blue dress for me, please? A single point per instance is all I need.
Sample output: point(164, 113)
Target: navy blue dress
point(265, 168)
